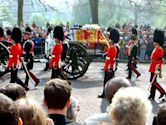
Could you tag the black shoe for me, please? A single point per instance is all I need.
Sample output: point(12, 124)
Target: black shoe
point(45, 69)
point(37, 83)
point(26, 88)
point(161, 95)
point(151, 98)
point(101, 96)
point(128, 78)
point(138, 76)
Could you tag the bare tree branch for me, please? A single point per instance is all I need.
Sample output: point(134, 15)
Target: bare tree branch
point(43, 5)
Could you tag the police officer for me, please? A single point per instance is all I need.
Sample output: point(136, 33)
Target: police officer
point(156, 62)
point(15, 57)
point(110, 66)
point(28, 47)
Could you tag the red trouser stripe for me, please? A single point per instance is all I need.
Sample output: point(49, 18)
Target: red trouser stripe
point(135, 70)
point(161, 90)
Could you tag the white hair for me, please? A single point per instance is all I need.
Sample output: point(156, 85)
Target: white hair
point(130, 106)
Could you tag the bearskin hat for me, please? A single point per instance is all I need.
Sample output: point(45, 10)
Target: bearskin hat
point(58, 33)
point(158, 36)
point(134, 34)
point(16, 35)
point(1, 32)
point(8, 32)
point(114, 35)
point(28, 30)
point(49, 29)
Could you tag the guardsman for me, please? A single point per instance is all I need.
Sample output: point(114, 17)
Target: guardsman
point(15, 57)
point(55, 61)
point(110, 66)
point(28, 47)
point(132, 54)
point(1, 34)
point(155, 69)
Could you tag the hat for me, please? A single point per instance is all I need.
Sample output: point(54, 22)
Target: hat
point(1, 32)
point(8, 32)
point(16, 35)
point(158, 36)
point(58, 33)
point(134, 34)
point(28, 30)
point(114, 35)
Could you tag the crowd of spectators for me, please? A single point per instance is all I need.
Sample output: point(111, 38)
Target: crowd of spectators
point(144, 37)
point(128, 106)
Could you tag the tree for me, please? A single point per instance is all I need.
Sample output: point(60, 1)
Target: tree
point(81, 13)
point(39, 19)
point(20, 11)
point(94, 11)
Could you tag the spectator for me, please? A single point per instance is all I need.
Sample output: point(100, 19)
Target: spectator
point(143, 47)
point(57, 100)
point(73, 109)
point(13, 91)
point(160, 119)
point(112, 86)
point(8, 112)
point(31, 112)
point(130, 106)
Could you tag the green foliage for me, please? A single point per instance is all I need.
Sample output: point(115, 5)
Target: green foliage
point(81, 13)
point(5, 16)
point(39, 19)
point(56, 21)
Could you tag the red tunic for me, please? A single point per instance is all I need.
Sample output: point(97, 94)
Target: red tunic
point(111, 57)
point(56, 55)
point(156, 58)
point(15, 55)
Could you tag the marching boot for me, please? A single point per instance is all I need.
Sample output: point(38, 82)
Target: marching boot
point(18, 81)
point(151, 98)
point(37, 82)
point(101, 95)
point(161, 95)
point(47, 67)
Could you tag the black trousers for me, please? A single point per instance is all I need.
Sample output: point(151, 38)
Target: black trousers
point(155, 85)
point(29, 67)
point(58, 73)
point(15, 79)
point(109, 74)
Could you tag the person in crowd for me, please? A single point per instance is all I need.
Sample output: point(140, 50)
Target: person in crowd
point(13, 91)
point(15, 57)
point(112, 86)
point(110, 66)
point(130, 108)
point(31, 112)
point(160, 119)
point(156, 62)
point(49, 43)
point(57, 100)
point(122, 45)
point(132, 55)
point(143, 47)
point(8, 112)
point(73, 109)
